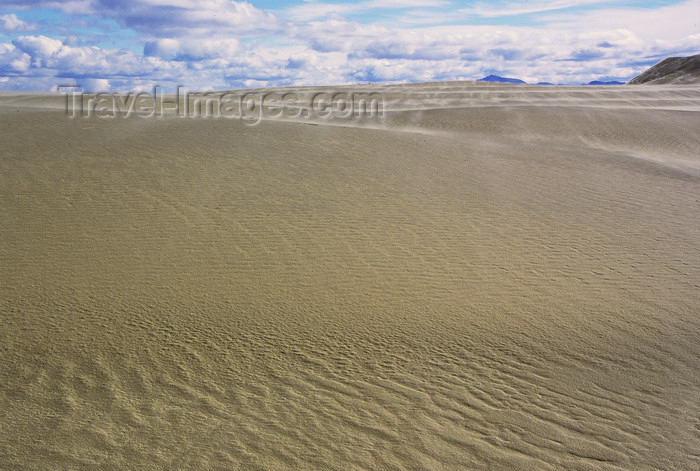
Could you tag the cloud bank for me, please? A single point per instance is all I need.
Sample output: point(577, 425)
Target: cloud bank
point(218, 44)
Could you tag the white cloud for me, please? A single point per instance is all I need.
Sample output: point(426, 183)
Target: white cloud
point(72, 40)
point(40, 48)
point(671, 22)
point(312, 10)
point(95, 85)
point(10, 23)
point(192, 50)
point(169, 18)
point(13, 60)
point(68, 6)
point(189, 18)
point(497, 9)
point(39, 57)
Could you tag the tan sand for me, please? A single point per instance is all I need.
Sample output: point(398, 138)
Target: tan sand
point(490, 277)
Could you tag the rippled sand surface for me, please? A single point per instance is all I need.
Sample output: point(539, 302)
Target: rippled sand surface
point(489, 277)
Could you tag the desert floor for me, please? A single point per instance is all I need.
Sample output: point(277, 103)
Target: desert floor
point(486, 277)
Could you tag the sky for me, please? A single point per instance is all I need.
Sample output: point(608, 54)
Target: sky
point(124, 45)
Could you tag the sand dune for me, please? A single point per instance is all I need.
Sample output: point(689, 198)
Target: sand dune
point(487, 277)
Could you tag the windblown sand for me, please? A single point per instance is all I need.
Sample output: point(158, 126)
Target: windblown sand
point(489, 277)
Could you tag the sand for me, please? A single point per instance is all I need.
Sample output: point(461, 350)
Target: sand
point(488, 277)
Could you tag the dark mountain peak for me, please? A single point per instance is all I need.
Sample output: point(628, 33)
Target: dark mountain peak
point(497, 79)
point(676, 70)
point(598, 82)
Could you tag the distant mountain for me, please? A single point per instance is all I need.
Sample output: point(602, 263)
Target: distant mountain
point(598, 82)
point(497, 79)
point(676, 70)
point(544, 83)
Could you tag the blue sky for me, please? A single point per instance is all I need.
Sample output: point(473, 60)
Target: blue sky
point(220, 44)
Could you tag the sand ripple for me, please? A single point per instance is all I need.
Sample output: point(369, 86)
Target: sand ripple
point(511, 285)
